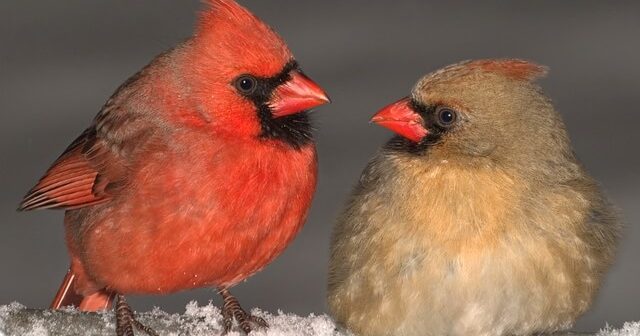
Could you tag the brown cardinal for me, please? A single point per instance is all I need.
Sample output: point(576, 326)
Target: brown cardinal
point(197, 172)
point(476, 220)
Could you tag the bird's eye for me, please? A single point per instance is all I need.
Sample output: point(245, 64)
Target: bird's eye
point(246, 84)
point(446, 117)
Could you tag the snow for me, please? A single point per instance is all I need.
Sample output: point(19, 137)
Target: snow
point(16, 319)
point(629, 329)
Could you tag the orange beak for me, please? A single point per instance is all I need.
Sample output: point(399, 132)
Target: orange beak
point(296, 95)
point(402, 119)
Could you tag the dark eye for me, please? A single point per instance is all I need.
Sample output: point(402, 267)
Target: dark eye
point(446, 117)
point(246, 84)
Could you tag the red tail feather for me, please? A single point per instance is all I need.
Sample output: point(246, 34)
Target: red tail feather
point(67, 296)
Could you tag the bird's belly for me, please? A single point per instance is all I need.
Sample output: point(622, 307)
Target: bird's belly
point(194, 236)
point(483, 293)
point(187, 253)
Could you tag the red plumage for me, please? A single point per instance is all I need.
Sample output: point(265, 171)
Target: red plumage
point(511, 68)
point(184, 180)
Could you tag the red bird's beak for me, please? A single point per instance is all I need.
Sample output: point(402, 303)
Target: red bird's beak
point(296, 95)
point(402, 119)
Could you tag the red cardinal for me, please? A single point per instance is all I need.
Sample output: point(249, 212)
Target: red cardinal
point(197, 172)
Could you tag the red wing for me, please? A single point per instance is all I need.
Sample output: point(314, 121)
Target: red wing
point(77, 179)
point(94, 167)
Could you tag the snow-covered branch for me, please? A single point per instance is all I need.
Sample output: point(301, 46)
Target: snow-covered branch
point(17, 320)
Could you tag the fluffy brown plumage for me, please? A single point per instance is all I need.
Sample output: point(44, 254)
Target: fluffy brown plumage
point(484, 223)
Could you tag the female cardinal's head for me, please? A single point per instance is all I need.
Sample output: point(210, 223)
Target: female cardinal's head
point(486, 108)
point(244, 80)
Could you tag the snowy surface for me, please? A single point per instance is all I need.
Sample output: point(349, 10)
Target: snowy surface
point(16, 319)
point(629, 329)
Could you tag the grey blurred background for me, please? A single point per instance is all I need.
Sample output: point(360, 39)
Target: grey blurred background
point(59, 61)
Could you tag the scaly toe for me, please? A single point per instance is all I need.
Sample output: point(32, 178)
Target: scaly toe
point(144, 328)
point(259, 321)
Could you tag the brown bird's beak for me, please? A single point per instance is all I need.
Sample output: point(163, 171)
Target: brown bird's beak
point(402, 119)
point(296, 95)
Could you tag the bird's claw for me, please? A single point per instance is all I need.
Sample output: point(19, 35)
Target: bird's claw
point(246, 322)
point(231, 310)
point(144, 328)
point(126, 321)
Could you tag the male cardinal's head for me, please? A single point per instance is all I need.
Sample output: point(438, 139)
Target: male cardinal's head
point(244, 80)
point(487, 108)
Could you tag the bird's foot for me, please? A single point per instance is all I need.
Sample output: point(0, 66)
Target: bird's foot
point(232, 310)
point(126, 321)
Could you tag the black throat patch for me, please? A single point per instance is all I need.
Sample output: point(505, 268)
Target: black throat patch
point(296, 129)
